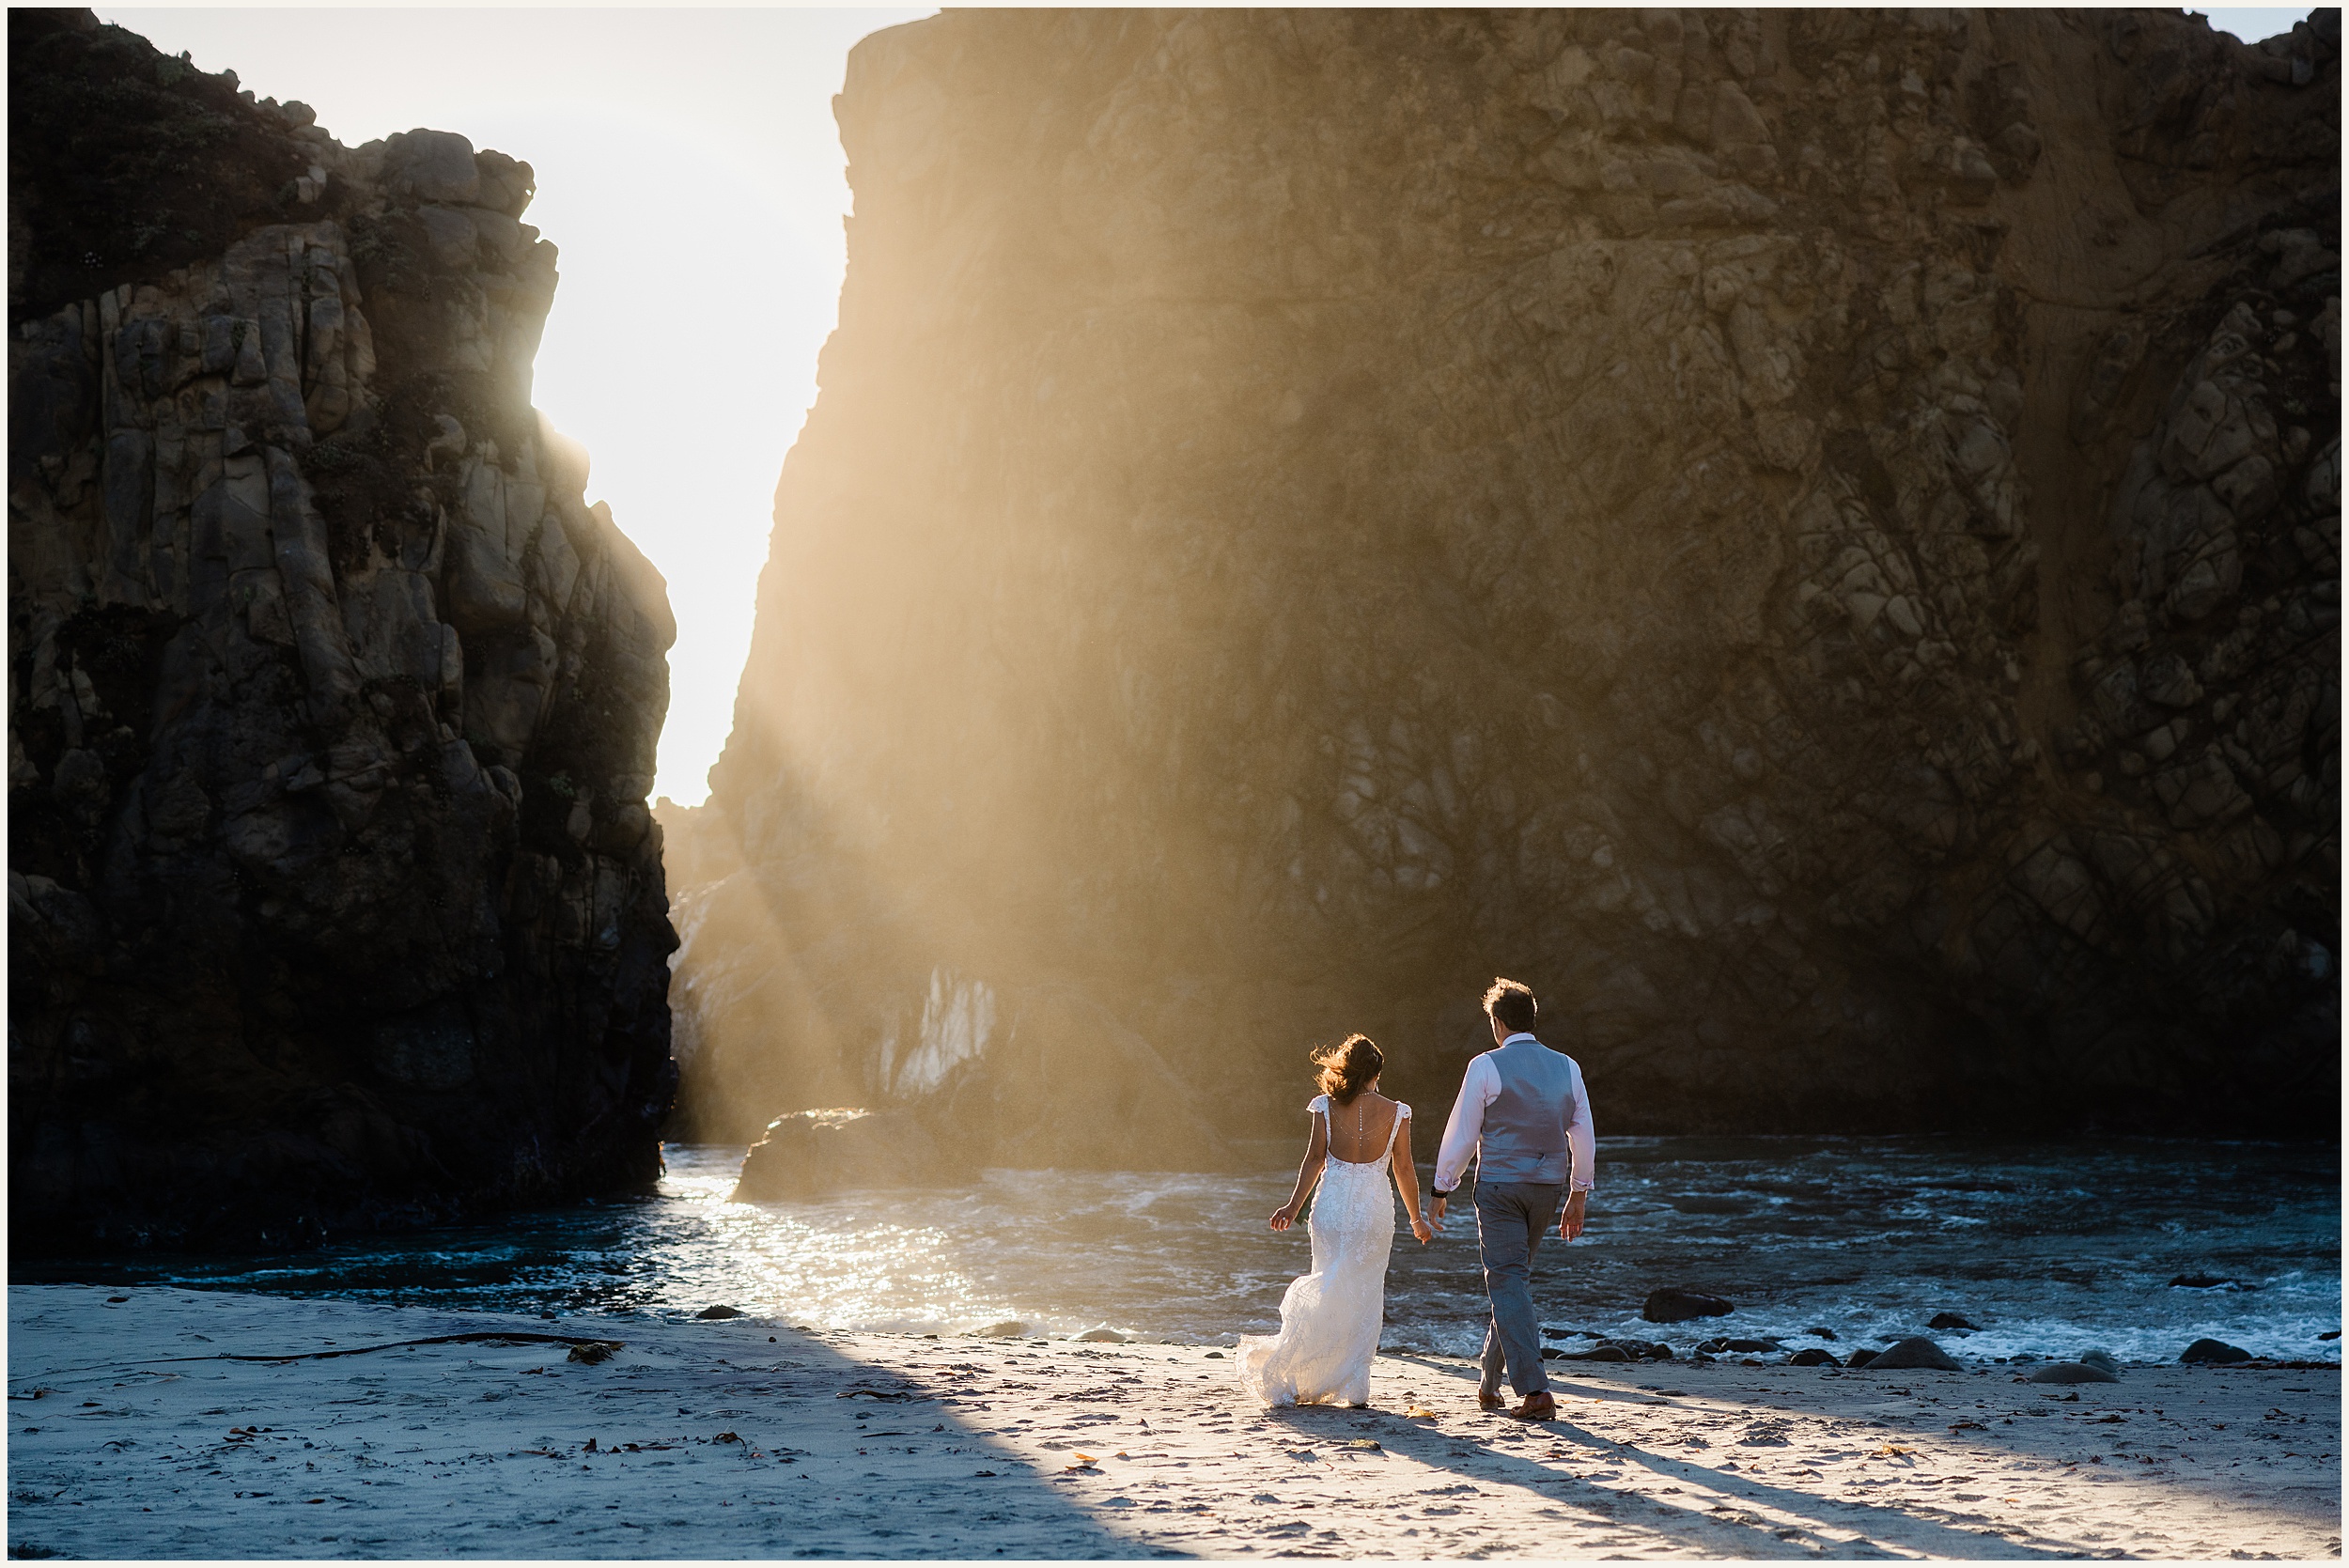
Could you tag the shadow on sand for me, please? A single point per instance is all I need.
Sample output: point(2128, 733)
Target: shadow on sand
point(1792, 1523)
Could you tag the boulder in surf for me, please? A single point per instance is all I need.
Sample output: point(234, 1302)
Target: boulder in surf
point(2217, 1353)
point(1676, 1304)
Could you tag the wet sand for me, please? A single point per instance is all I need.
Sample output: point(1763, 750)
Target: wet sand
point(712, 1440)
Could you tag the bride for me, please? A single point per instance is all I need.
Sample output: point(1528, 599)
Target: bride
point(1330, 1319)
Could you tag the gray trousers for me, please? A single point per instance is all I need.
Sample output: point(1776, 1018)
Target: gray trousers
point(1511, 1220)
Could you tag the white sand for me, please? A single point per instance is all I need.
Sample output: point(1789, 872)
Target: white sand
point(474, 1450)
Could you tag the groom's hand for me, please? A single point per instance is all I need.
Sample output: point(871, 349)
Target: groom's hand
point(1570, 1223)
point(1434, 1210)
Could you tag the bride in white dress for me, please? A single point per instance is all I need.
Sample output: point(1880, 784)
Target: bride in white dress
point(1330, 1319)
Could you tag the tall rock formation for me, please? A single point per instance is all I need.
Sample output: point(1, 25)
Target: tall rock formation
point(1809, 536)
point(333, 897)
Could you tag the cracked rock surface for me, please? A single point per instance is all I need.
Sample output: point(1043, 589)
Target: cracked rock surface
point(334, 899)
point(1809, 536)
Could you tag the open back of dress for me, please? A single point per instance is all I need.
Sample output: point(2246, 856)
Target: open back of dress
point(1330, 1318)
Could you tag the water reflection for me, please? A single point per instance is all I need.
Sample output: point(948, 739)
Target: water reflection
point(2049, 1248)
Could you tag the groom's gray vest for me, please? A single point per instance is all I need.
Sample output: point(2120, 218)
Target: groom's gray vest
point(1524, 1139)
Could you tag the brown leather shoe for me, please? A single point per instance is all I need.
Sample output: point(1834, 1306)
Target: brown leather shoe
point(1537, 1407)
point(1489, 1401)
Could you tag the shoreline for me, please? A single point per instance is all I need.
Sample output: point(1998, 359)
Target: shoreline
point(710, 1439)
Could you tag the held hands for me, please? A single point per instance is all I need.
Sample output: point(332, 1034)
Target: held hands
point(1570, 1223)
point(1284, 1217)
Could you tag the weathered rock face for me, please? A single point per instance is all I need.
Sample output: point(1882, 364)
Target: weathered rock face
point(334, 899)
point(1809, 536)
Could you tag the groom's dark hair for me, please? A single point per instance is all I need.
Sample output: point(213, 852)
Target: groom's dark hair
point(1510, 1003)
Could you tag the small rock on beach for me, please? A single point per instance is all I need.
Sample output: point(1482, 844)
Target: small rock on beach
point(1916, 1353)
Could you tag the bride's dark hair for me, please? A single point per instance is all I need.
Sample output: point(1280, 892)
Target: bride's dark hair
point(1347, 1067)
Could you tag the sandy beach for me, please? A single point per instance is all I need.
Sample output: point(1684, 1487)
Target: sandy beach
point(748, 1439)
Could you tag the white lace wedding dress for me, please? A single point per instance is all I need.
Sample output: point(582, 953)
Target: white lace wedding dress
point(1330, 1319)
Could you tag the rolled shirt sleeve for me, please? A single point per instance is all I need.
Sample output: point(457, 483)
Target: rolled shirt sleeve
point(1581, 1140)
point(1477, 1088)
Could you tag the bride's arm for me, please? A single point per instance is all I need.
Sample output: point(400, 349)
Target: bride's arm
point(1316, 1149)
point(1407, 1182)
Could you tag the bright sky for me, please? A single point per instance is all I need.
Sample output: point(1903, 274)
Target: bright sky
point(690, 169)
point(2256, 21)
point(2252, 23)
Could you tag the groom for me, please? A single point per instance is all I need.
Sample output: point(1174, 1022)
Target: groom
point(1521, 1111)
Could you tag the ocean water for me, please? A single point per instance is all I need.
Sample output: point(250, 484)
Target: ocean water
point(2049, 1248)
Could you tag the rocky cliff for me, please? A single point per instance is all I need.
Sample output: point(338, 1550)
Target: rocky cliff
point(1809, 536)
point(333, 895)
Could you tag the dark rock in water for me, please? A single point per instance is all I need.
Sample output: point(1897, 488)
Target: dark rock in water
point(2201, 1282)
point(2214, 1353)
point(1011, 1329)
point(2330, 1334)
point(1949, 1320)
point(813, 1153)
point(718, 1312)
point(1748, 1347)
point(1858, 1358)
point(1916, 1353)
point(1673, 1304)
point(1596, 1353)
point(2075, 1372)
point(1823, 1333)
point(1814, 1356)
point(334, 900)
point(1100, 1336)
